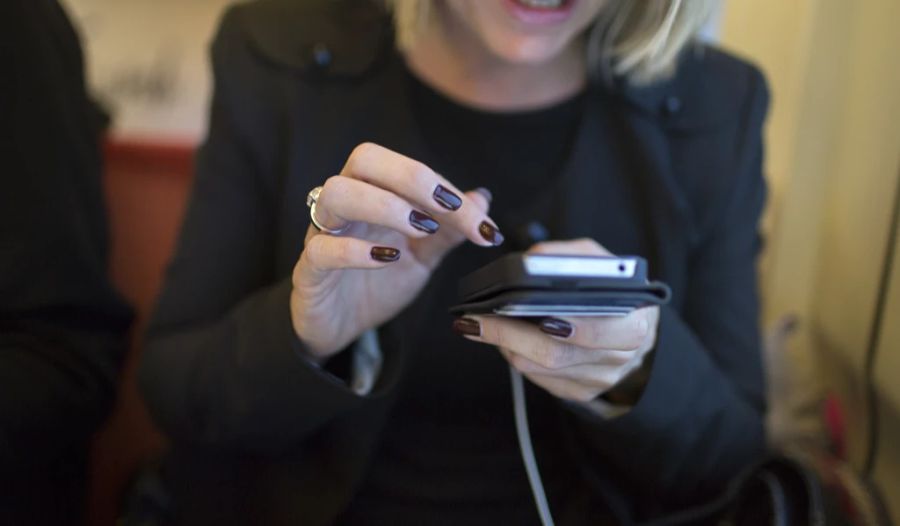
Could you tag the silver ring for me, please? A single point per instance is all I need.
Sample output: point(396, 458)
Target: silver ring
point(311, 199)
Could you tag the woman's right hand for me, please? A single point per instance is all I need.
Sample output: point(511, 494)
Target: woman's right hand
point(401, 219)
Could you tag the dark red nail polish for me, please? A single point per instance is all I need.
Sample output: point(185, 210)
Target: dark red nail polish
point(424, 222)
point(557, 327)
point(490, 233)
point(385, 254)
point(485, 193)
point(467, 327)
point(446, 198)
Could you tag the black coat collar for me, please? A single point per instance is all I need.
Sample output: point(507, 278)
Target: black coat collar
point(348, 40)
point(330, 39)
point(705, 92)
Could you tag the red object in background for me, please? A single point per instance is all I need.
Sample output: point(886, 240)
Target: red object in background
point(835, 423)
point(146, 186)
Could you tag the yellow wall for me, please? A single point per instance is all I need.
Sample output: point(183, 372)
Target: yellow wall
point(833, 161)
point(887, 365)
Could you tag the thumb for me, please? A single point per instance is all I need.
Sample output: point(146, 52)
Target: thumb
point(432, 249)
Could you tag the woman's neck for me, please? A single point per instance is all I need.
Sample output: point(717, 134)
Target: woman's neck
point(453, 61)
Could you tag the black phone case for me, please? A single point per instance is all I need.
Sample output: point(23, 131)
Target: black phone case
point(505, 287)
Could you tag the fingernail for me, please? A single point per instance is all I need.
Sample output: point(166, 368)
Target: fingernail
point(467, 327)
point(557, 327)
point(446, 198)
point(485, 193)
point(424, 222)
point(386, 254)
point(490, 233)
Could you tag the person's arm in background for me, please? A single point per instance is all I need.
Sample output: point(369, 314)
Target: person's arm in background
point(62, 326)
point(699, 420)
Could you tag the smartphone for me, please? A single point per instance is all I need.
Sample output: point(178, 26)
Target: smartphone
point(538, 285)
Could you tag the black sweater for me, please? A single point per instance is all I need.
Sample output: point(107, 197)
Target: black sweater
point(449, 452)
point(261, 436)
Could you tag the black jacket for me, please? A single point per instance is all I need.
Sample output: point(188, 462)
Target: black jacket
point(260, 436)
point(62, 326)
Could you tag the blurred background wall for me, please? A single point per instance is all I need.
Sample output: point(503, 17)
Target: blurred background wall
point(833, 158)
point(833, 163)
point(147, 62)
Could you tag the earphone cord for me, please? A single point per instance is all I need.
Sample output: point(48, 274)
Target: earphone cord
point(531, 468)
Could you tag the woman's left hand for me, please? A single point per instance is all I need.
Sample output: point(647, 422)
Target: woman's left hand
point(575, 358)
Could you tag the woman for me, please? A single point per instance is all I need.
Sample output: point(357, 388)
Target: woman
point(310, 374)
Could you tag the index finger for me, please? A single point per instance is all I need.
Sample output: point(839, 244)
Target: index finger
point(421, 185)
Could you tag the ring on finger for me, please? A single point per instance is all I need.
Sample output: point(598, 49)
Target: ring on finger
point(311, 198)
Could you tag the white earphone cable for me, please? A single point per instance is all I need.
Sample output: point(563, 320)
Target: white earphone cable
point(531, 468)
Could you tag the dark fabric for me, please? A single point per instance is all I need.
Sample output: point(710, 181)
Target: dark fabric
point(261, 436)
point(62, 327)
point(453, 417)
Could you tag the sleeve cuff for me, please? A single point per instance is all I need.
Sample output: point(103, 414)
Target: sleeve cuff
point(686, 404)
point(366, 361)
point(679, 370)
point(621, 397)
point(599, 408)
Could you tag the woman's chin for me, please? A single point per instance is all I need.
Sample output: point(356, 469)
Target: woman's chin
point(526, 51)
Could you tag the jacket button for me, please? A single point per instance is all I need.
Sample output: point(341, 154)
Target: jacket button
point(672, 105)
point(321, 55)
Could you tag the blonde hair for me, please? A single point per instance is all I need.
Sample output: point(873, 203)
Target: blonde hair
point(636, 39)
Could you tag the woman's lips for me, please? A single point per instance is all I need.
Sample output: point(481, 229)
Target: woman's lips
point(540, 12)
point(541, 4)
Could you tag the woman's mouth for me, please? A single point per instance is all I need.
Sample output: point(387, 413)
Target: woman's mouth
point(540, 4)
point(539, 12)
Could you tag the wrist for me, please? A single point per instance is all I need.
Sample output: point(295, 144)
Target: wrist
point(629, 390)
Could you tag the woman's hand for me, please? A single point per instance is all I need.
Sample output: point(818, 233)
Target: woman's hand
point(576, 358)
point(401, 218)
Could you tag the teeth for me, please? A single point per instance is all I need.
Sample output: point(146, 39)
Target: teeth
point(542, 4)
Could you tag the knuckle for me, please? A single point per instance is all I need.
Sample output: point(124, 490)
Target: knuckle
point(551, 356)
point(588, 332)
point(555, 363)
point(638, 334)
point(334, 185)
point(360, 157)
point(542, 355)
point(313, 246)
point(312, 252)
point(343, 252)
point(420, 176)
point(362, 152)
point(567, 355)
point(392, 205)
point(594, 333)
